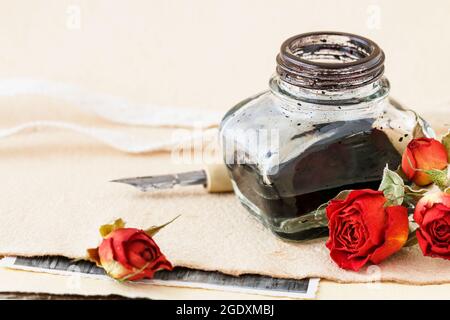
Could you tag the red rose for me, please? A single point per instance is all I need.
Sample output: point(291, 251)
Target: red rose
point(423, 154)
point(432, 214)
point(362, 229)
point(130, 254)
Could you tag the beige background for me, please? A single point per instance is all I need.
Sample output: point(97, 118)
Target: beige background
point(213, 53)
point(207, 54)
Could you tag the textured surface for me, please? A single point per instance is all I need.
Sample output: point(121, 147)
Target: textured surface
point(54, 189)
point(56, 195)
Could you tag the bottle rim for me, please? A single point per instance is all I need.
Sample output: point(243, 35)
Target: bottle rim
point(351, 61)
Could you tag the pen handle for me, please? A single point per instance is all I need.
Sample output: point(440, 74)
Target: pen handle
point(217, 178)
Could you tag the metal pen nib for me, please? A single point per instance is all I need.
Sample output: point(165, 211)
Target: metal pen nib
point(166, 181)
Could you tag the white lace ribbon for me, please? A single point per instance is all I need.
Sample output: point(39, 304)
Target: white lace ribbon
point(116, 139)
point(116, 110)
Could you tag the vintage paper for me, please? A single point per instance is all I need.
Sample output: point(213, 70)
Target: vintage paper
point(181, 277)
point(55, 196)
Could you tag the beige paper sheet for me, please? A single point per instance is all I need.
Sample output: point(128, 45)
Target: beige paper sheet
point(53, 189)
point(55, 194)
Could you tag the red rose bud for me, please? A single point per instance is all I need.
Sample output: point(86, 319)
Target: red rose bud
point(130, 254)
point(363, 230)
point(423, 154)
point(432, 214)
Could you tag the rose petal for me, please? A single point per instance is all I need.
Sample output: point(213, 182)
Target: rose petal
point(349, 246)
point(424, 243)
point(116, 270)
point(149, 242)
point(135, 258)
point(112, 267)
point(440, 251)
point(408, 160)
point(426, 234)
point(343, 261)
point(160, 264)
point(431, 155)
point(120, 238)
point(428, 154)
point(145, 274)
point(106, 251)
point(433, 214)
point(429, 250)
point(136, 246)
point(428, 201)
point(373, 214)
point(337, 205)
point(396, 233)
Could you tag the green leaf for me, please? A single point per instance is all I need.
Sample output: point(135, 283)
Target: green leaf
point(155, 229)
point(422, 129)
point(412, 239)
point(416, 190)
point(393, 187)
point(439, 177)
point(446, 143)
point(312, 220)
point(131, 275)
point(400, 172)
point(108, 228)
point(342, 195)
point(413, 195)
point(419, 130)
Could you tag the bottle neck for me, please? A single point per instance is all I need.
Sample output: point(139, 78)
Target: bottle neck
point(362, 102)
point(332, 73)
point(376, 90)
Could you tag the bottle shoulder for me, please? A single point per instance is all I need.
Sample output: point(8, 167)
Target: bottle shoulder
point(268, 133)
